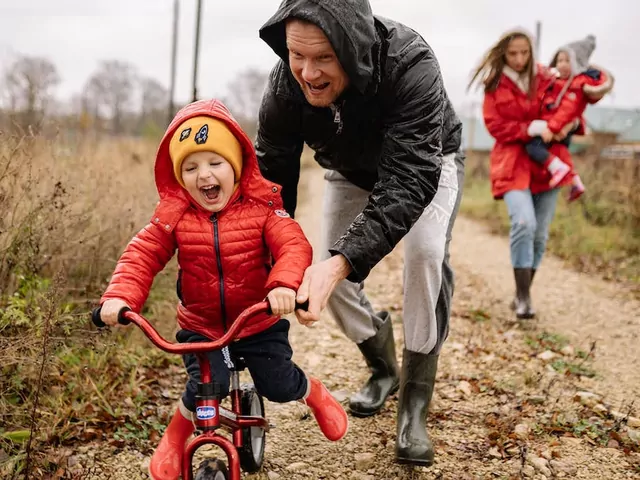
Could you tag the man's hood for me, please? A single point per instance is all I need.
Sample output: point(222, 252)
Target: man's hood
point(348, 24)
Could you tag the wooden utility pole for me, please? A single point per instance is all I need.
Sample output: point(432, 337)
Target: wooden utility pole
point(196, 51)
point(174, 54)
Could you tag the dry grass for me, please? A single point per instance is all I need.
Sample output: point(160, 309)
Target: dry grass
point(70, 207)
point(66, 212)
point(600, 233)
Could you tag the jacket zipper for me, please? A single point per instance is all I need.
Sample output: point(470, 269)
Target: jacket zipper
point(337, 117)
point(216, 245)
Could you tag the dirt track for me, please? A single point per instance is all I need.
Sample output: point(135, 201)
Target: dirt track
point(501, 409)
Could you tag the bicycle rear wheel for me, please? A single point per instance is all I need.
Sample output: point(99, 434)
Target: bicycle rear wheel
point(253, 438)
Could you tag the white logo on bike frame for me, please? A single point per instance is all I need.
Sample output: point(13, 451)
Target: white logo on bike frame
point(205, 413)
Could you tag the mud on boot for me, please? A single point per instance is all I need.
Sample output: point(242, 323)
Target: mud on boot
point(417, 380)
point(379, 352)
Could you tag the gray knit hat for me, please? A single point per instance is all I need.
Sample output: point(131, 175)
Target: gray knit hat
point(579, 53)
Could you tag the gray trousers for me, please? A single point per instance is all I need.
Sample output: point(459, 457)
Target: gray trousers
point(428, 277)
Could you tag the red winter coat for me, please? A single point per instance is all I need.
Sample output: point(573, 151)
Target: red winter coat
point(573, 102)
point(224, 259)
point(507, 113)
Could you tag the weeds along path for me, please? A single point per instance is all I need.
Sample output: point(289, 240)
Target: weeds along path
point(511, 401)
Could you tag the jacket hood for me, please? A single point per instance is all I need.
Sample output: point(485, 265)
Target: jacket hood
point(174, 199)
point(579, 53)
point(348, 24)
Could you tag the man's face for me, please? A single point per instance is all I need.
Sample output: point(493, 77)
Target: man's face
point(314, 64)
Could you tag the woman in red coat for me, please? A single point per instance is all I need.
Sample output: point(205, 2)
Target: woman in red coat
point(227, 224)
point(514, 89)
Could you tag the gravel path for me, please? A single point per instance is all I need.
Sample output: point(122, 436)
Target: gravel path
point(500, 410)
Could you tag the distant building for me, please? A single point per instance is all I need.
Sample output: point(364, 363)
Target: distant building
point(613, 132)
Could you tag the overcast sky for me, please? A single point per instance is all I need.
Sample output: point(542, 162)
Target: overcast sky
point(77, 34)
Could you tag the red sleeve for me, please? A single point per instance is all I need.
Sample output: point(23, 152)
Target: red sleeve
point(290, 249)
point(569, 108)
point(145, 255)
point(504, 131)
point(595, 89)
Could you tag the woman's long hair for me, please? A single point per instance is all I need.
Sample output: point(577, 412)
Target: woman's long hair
point(490, 68)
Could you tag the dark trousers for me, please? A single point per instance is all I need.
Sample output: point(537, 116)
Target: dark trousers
point(267, 356)
point(538, 150)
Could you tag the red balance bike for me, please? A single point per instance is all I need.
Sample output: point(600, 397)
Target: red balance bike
point(245, 421)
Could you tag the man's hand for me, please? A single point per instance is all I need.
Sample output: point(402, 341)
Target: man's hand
point(109, 311)
point(318, 283)
point(282, 300)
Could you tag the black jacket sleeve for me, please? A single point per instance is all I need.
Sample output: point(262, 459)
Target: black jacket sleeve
point(279, 141)
point(409, 168)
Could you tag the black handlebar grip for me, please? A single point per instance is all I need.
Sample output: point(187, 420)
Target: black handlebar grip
point(97, 321)
point(299, 306)
point(95, 318)
point(302, 306)
point(121, 319)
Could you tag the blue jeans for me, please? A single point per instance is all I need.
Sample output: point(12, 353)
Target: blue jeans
point(530, 217)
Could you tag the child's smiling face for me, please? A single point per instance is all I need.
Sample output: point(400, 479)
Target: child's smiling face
point(209, 179)
point(563, 64)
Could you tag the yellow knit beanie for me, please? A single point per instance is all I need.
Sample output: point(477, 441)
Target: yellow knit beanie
point(204, 134)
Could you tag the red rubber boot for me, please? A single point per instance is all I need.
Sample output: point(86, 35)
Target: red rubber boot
point(166, 462)
point(331, 417)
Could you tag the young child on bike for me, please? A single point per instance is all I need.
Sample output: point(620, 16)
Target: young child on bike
point(236, 246)
point(577, 85)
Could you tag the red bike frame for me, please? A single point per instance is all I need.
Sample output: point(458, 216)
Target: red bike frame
point(210, 416)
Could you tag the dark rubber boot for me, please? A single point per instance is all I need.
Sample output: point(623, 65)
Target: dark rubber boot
point(379, 352)
point(514, 302)
point(523, 277)
point(413, 445)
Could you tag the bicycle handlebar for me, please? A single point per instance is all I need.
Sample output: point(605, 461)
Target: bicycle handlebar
point(127, 316)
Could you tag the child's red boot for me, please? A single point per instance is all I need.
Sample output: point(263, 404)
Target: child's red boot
point(331, 417)
point(166, 462)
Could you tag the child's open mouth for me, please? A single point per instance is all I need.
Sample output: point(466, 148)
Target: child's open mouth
point(211, 192)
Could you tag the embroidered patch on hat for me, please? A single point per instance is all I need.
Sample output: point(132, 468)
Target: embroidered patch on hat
point(202, 135)
point(184, 134)
point(281, 213)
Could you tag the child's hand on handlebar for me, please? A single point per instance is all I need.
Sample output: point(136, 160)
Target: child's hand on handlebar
point(109, 311)
point(282, 300)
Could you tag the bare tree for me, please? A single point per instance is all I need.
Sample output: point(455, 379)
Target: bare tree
point(29, 82)
point(112, 87)
point(245, 93)
point(155, 101)
point(93, 98)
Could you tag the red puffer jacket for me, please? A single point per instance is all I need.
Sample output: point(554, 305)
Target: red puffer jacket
point(225, 258)
point(507, 113)
point(575, 98)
